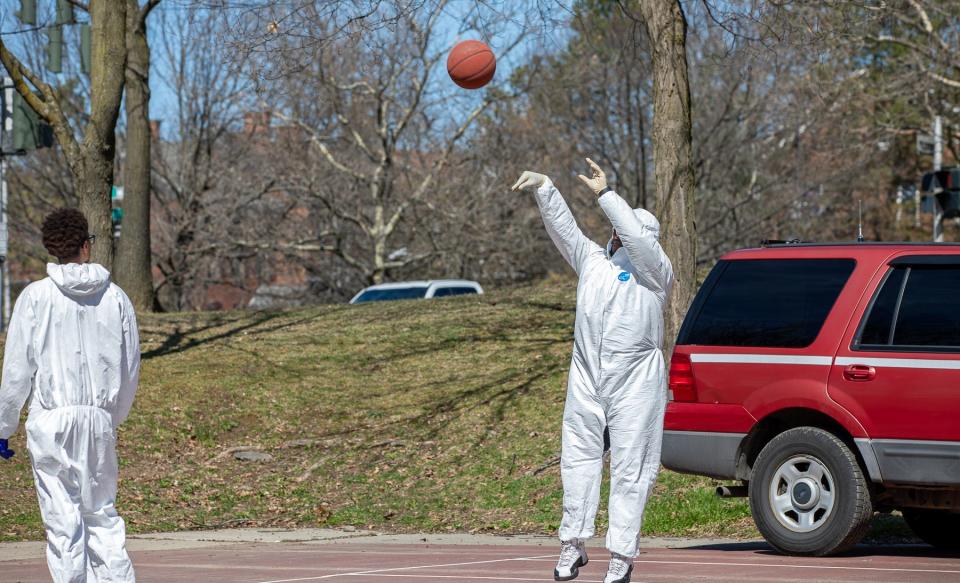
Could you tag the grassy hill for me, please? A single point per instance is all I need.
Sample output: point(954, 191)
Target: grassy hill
point(439, 415)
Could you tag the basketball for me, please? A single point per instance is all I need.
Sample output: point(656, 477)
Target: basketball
point(471, 64)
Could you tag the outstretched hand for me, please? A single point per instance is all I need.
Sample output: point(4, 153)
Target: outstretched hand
point(528, 179)
point(597, 180)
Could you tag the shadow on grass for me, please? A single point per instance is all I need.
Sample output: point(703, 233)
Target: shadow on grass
point(442, 412)
point(181, 340)
point(446, 400)
point(498, 393)
point(500, 333)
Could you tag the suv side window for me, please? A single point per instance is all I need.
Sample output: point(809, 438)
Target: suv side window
point(453, 291)
point(780, 303)
point(913, 311)
point(879, 324)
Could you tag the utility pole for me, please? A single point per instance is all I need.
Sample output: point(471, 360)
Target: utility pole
point(917, 204)
point(4, 238)
point(937, 164)
point(899, 206)
point(6, 127)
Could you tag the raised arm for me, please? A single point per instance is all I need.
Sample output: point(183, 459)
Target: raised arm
point(130, 367)
point(639, 237)
point(574, 246)
point(19, 366)
point(640, 241)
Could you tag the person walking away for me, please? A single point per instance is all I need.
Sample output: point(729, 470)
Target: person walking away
point(73, 349)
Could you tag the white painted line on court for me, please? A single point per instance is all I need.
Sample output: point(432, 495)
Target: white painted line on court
point(377, 571)
point(794, 566)
point(422, 576)
point(836, 567)
point(337, 553)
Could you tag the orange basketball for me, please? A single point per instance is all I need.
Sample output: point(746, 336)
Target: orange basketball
point(471, 64)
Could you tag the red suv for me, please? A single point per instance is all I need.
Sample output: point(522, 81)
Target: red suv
point(827, 379)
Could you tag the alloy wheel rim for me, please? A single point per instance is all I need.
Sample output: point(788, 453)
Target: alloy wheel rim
point(802, 494)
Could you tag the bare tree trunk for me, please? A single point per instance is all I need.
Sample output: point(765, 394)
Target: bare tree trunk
point(134, 264)
point(109, 51)
point(673, 150)
point(93, 183)
point(90, 161)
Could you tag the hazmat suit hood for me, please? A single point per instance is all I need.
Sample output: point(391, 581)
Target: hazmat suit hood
point(649, 222)
point(79, 280)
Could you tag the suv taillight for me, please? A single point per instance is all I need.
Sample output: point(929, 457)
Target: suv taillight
point(682, 385)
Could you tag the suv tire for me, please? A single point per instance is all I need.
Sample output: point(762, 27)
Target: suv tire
point(808, 494)
point(937, 528)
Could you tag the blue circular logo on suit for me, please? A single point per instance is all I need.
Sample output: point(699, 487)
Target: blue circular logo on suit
point(624, 276)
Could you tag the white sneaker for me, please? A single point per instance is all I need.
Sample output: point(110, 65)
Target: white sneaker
point(619, 570)
point(573, 555)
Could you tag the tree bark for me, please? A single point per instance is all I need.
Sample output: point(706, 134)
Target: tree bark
point(93, 183)
point(666, 28)
point(133, 268)
point(108, 57)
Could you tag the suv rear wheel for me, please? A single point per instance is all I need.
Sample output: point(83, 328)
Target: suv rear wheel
point(808, 494)
point(938, 528)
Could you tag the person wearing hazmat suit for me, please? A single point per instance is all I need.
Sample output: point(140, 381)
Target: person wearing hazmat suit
point(618, 379)
point(72, 348)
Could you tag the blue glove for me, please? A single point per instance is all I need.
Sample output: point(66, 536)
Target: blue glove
point(4, 452)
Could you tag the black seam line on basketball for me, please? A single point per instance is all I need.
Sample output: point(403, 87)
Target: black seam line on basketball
point(481, 74)
point(470, 56)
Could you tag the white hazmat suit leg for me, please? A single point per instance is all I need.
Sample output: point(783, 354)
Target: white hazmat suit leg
point(581, 455)
point(618, 375)
point(635, 420)
point(75, 468)
point(73, 345)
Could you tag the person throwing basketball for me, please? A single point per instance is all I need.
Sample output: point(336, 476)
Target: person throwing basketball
point(618, 378)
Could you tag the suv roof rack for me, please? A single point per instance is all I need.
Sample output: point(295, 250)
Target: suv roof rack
point(771, 242)
point(799, 243)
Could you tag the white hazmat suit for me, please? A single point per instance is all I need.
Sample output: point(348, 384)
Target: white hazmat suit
point(617, 378)
point(73, 344)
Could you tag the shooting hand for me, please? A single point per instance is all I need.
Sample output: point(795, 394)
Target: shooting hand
point(528, 179)
point(597, 181)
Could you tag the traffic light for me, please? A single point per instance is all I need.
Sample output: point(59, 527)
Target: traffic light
point(945, 185)
point(55, 49)
point(946, 179)
point(116, 218)
point(28, 12)
point(29, 133)
point(65, 13)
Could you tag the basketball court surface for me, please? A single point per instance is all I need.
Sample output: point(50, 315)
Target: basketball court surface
point(275, 556)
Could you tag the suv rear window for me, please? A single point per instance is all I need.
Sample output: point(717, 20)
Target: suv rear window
point(443, 292)
point(394, 293)
point(777, 303)
point(913, 311)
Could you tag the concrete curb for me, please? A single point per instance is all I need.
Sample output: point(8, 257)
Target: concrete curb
point(167, 541)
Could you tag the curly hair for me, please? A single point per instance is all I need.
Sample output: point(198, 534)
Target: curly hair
point(64, 232)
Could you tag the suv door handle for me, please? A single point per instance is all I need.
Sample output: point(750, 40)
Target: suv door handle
point(859, 373)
